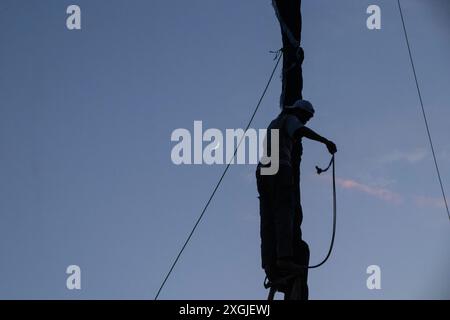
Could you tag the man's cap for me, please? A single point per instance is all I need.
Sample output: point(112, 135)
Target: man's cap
point(304, 105)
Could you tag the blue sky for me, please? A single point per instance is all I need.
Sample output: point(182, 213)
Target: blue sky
point(85, 124)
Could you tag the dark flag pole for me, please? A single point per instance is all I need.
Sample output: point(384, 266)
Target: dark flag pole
point(289, 15)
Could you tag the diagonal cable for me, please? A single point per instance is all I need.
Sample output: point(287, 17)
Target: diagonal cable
point(278, 58)
point(423, 110)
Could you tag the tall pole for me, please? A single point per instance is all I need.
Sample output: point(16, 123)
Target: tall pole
point(289, 15)
point(290, 18)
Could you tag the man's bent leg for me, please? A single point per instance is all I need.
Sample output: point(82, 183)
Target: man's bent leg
point(284, 213)
point(267, 225)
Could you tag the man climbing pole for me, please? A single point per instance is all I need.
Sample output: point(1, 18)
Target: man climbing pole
point(283, 251)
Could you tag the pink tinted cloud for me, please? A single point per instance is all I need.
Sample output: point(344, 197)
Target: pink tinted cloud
point(390, 196)
point(429, 202)
point(380, 193)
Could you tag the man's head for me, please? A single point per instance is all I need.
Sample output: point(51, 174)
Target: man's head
point(302, 109)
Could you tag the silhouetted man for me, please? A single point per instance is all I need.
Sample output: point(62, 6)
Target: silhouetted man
point(282, 249)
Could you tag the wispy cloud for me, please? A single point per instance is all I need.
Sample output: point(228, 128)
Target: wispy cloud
point(429, 202)
point(376, 179)
point(391, 196)
point(380, 193)
point(412, 156)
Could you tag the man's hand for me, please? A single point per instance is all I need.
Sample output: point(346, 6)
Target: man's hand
point(310, 134)
point(331, 147)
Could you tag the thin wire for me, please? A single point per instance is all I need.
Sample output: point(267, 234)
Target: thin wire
point(268, 284)
point(423, 109)
point(221, 178)
point(330, 249)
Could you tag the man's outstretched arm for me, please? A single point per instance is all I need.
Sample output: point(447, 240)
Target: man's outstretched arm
point(310, 134)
